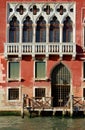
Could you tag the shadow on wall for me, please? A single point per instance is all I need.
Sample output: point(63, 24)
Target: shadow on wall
point(79, 49)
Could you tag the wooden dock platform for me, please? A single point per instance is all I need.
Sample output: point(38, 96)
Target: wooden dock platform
point(44, 106)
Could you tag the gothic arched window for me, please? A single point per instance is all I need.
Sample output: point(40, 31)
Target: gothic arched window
point(54, 32)
point(67, 30)
point(14, 30)
point(27, 30)
point(41, 30)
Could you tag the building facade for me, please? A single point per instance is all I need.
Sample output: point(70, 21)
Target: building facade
point(42, 51)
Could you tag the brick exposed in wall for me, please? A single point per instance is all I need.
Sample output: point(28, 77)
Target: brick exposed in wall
point(2, 75)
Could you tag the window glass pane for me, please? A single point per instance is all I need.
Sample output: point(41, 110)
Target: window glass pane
point(42, 35)
point(67, 30)
point(37, 35)
point(70, 36)
point(41, 30)
point(83, 69)
point(11, 36)
point(27, 30)
point(39, 69)
point(13, 94)
point(84, 93)
point(39, 92)
point(84, 36)
point(54, 32)
point(16, 38)
point(27, 35)
point(14, 30)
point(13, 70)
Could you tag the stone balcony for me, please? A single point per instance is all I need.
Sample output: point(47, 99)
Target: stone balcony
point(33, 49)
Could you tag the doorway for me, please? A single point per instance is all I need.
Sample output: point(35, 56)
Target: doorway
point(60, 85)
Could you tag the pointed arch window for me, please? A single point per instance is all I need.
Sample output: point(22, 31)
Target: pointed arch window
point(41, 30)
point(67, 30)
point(14, 30)
point(61, 75)
point(60, 81)
point(27, 30)
point(54, 31)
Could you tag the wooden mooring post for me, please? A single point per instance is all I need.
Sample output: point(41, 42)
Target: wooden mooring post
point(71, 105)
point(22, 107)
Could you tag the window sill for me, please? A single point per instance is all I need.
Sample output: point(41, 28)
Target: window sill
point(17, 100)
point(13, 80)
point(83, 79)
point(83, 48)
point(40, 79)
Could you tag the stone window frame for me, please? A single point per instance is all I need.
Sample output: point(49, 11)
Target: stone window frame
point(14, 60)
point(43, 78)
point(27, 6)
point(40, 87)
point(14, 100)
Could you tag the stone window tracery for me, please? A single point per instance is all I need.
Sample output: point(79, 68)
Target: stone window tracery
point(22, 27)
point(34, 9)
point(47, 9)
point(21, 10)
point(61, 10)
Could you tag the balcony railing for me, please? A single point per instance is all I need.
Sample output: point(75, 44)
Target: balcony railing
point(40, 49)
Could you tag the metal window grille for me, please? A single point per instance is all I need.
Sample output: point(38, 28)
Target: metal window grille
point(13, 94)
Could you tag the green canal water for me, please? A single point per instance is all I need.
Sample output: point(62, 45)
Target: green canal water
point(41, 123)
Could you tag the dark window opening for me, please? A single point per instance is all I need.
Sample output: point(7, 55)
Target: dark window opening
point(67, 30)
point(54, 32)
point(13, 94)
point(39, 92)
point(41, 30)
point(83, 69)
point(14, 30)
point(27, 30)
point(84, 93)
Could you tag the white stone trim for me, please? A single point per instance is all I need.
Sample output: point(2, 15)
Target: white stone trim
point(34, 18)
point(36, 60)
point(13, 60)
point(11, 87)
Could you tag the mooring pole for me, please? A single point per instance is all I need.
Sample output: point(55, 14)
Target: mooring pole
point(22, 108)
point(71, 105)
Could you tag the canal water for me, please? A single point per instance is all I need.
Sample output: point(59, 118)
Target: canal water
point(41, 123)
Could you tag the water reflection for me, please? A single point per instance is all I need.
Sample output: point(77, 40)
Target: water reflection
point(41, 123)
